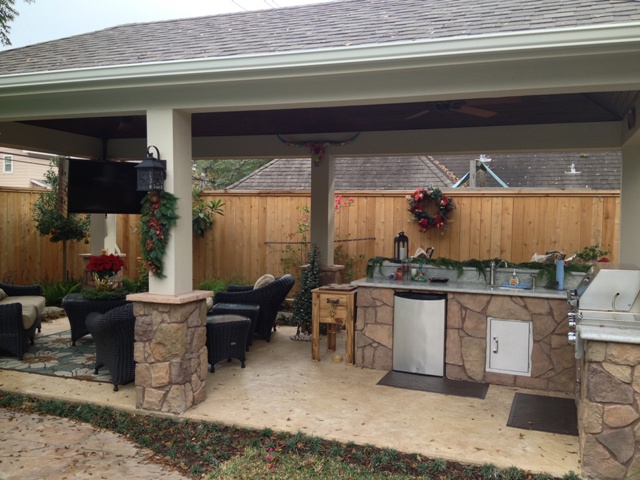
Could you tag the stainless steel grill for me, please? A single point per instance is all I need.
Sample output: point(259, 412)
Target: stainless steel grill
point(605, 301)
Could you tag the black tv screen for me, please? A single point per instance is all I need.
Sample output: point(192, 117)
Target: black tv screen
point(103, 187)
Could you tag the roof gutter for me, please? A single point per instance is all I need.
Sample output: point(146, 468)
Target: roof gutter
point(582, 41)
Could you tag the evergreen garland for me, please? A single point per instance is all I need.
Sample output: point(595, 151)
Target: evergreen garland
point(303, 301)
point(158, 216)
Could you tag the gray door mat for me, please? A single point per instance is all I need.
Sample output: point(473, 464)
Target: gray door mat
point(426, 383)
point(544, 414)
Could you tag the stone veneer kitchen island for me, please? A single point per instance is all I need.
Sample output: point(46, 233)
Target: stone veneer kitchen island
point(469, 305)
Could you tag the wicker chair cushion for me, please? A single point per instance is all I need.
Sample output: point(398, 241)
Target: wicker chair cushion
point(3, 295)
point(32, 308)
point(263, 280)
point(209, 303)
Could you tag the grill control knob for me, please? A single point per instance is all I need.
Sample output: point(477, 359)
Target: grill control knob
point(572, 323)
point(571, 337)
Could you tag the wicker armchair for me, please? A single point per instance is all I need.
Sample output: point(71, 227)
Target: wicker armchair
point(113, 335)
point(13, 336)
point(77, 308)
point(24, 291)
point(20, 316)
point(269, 298)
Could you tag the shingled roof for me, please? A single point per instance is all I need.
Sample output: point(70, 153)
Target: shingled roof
point(593, 170)
point(326, 25)
point(376, 173)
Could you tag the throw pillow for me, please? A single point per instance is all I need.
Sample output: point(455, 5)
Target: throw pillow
point(209, 303)
point(263, 280)
point(3, 295)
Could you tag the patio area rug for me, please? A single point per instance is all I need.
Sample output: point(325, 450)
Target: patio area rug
point(55, 356)
point(544, 414)
point(441, 385)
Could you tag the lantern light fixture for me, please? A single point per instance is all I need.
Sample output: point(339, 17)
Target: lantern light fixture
point(151, 172)
point(400, 247)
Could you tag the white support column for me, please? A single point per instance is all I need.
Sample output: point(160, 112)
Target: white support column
point(170, 131)
point(629, 202)
point(322, 207)
point(98, 231)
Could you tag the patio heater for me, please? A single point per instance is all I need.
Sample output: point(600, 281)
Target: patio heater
point(400, 246)
point(151, 172)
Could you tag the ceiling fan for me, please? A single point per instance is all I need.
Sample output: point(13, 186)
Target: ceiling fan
point(453, 106)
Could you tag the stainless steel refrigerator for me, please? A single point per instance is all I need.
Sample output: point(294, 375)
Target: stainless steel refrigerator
point(419, 327)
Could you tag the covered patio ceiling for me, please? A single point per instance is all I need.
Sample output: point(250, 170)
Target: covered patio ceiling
point(463, 113)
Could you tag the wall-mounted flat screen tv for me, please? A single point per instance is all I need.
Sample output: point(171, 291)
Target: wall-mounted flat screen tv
point(103, 187)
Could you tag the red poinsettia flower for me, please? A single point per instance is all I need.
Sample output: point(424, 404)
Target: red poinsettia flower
point(105, 264)
point(418, 195)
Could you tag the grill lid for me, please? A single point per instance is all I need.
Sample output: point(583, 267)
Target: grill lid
point(610, 287)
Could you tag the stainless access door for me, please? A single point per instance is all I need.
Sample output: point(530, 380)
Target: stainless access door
point(419, 325)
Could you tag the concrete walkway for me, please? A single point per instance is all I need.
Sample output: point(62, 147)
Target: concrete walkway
point(44, 447)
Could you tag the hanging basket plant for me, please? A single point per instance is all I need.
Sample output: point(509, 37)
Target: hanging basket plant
point(158, 217)
point(419, 202)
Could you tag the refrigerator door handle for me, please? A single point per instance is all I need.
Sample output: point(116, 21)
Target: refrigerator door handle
point(495, 348)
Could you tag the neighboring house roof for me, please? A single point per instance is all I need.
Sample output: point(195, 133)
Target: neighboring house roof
point(340, 24)
point(377, 173)
point(593, 170)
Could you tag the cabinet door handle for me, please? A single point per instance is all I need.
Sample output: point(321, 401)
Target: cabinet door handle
point(335, 301)
point(495, 348)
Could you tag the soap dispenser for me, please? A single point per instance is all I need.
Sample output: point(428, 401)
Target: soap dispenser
point(514, 280)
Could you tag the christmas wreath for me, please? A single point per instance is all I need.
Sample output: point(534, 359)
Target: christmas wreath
point(419, 200)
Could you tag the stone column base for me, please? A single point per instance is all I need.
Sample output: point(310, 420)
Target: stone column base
point(170, 351)
point(331, 274)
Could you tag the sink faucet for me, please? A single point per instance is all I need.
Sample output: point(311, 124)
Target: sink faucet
point(492, 270)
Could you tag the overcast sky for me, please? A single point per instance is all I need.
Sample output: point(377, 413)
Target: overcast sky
point(46, 20)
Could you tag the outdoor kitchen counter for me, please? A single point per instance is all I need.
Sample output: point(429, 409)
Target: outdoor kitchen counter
point(540, 316)
point(460, 287)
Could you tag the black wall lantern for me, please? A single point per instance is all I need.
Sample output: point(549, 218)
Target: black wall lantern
point(151, 172)
point(400, 247)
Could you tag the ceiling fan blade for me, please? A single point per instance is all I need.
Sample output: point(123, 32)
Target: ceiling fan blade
point(416, 115)
point(478, 112)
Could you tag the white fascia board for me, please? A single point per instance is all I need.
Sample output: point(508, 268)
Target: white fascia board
point(501, 47)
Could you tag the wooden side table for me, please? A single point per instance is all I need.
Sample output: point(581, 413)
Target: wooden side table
point(333, 305)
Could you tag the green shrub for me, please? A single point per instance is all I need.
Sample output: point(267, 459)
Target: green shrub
point(571, 476)
point(513, 473)
point(54, 291)
point(215, 285)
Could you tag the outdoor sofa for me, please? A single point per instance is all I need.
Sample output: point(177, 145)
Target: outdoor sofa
point(21, 309)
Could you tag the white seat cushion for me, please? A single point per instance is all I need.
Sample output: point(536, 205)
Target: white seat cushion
point(264, 280)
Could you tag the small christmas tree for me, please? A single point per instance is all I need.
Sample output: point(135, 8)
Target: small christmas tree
point(302, 302)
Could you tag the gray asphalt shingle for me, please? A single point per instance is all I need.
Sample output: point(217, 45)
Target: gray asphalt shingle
point(551, 170)
point(325, 25)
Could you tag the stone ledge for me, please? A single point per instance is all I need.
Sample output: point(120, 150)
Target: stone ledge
point(170, 299)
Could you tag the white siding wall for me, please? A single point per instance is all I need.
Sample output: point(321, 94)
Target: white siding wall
point(25, 168)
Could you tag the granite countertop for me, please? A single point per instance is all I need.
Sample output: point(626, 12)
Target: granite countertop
point(611, 331)
point(459, 287)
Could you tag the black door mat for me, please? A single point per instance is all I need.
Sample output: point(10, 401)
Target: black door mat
point(426, 383)
point(544, 414)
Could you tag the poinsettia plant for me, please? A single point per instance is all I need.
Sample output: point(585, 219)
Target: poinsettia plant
point(105, 266)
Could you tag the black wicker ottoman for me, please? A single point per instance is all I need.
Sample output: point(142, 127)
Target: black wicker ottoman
point(227, 338)
point(246, 310)
point(78, 307)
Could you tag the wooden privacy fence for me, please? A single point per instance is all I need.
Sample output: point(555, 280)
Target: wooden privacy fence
point(246, 241)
